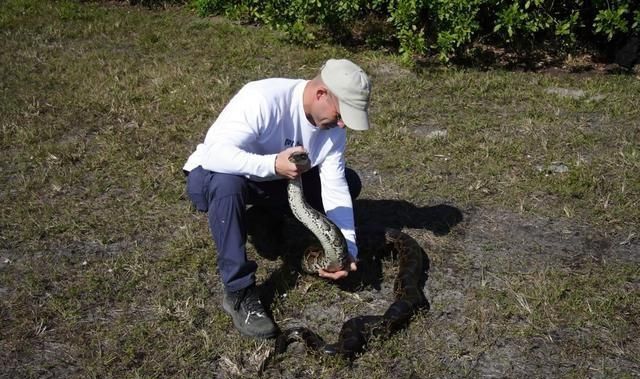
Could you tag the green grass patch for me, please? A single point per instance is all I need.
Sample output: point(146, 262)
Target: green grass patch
point(106, 271)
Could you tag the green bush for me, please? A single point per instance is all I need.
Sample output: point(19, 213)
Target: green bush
point(611, 21)
point(156, 3)
point(443, 27)
point(456, 22)
point(209, 7)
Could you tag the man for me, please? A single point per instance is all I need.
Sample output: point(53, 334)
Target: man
point(244, 161)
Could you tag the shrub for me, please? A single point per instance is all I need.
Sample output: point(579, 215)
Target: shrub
point(443, 27)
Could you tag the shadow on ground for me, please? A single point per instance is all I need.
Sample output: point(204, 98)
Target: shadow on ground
point(399, 214)
point(372, 217)
point(379, 239)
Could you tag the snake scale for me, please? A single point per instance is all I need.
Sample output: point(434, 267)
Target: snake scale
point(358, 331)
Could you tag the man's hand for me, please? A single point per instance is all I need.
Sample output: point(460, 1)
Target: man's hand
point(351, 266)
point(286, 168)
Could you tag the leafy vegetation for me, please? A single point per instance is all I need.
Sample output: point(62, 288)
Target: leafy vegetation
point(444, 27)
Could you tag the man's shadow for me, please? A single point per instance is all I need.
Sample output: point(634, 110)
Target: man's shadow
point(399, 214)
point(372, 217)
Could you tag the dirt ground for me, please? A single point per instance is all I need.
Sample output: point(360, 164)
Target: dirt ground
point(465, 333)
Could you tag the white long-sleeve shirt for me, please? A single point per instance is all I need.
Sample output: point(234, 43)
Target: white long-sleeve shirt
point(264, 118)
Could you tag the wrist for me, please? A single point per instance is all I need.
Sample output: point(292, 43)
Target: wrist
point(275, 164)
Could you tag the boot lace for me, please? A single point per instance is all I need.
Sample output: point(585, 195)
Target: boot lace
point(249, 297)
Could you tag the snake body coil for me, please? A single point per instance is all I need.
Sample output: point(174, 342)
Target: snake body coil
point(358, 331)
point(333, 243)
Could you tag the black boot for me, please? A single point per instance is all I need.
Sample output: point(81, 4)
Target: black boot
point(248, 314)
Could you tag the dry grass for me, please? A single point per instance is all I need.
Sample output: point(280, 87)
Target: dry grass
point(106, 272)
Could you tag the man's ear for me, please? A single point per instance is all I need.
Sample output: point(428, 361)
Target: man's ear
point(321, 91)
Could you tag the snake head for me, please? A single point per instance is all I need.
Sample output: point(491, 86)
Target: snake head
point(299, 158)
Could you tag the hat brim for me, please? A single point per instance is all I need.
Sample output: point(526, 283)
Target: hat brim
point(354, 118)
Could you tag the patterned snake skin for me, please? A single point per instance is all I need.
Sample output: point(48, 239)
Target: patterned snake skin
point(358, 331)
point(334, 256)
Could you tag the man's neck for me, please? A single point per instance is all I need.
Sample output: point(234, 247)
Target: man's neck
point(307, 100)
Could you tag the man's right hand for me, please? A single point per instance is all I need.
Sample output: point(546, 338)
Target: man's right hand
point(286, 168)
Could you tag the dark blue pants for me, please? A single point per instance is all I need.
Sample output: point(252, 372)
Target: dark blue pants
point(225, 197)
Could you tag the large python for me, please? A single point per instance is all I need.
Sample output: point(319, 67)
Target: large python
point(334, 256)
point(358, 331)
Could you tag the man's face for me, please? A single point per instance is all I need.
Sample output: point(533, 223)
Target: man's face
point(327, 112)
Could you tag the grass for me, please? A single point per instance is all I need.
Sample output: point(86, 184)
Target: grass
point(106, 272)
